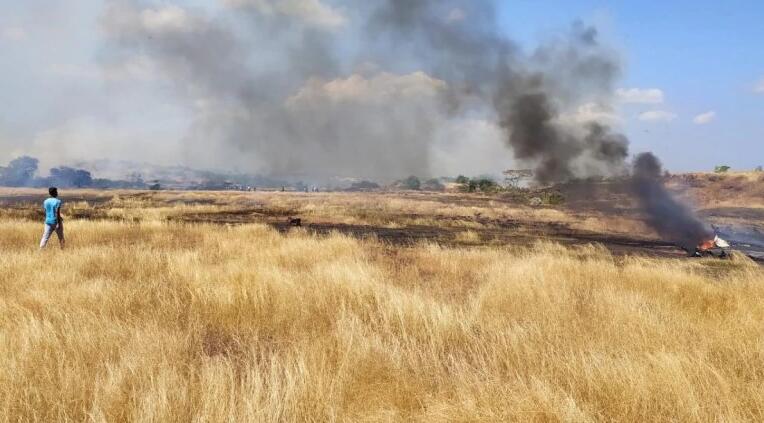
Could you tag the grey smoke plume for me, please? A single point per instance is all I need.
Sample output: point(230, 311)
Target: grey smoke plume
point(267, 89)
point(309, 88)
point(665, 214)
point(304, 87)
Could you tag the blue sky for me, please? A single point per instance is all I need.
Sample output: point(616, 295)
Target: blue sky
point(704, 58)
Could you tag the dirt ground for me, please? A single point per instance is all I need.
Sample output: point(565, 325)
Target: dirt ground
point(402, 218)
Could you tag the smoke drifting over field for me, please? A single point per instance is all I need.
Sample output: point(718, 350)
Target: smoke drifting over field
point(319, 89)
point(304, 87)
point(665, 214)
point(529, 93)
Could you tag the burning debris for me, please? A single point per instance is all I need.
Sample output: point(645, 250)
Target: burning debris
point(715, 247)
point(671, 219)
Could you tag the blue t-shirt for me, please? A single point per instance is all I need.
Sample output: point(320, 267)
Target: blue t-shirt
point(51, 206)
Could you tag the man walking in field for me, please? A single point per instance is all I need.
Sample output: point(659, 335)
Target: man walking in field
point(53, 221)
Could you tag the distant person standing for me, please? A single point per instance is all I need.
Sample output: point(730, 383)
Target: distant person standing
point(53, 220)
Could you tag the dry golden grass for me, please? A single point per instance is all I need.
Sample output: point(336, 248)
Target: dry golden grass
point(468, 237)
point(458, 212)
point(733, 189)
point(158, 321)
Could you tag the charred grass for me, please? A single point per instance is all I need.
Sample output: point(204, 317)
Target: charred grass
point(396, 218)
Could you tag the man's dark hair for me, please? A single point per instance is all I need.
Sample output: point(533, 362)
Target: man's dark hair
point(53, 191)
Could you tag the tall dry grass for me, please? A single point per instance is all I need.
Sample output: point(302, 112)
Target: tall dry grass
point(459, 212)
point(167, 322)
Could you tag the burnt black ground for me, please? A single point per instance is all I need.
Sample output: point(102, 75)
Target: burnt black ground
point(492, 232)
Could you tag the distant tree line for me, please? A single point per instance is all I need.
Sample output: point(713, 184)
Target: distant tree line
point(413, 183)
point(480, 184)
point(22, 172)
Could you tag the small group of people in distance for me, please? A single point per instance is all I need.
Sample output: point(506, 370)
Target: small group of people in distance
point(53, 220)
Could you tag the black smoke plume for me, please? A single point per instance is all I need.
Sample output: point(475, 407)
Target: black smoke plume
point(528, 92)
point(664, 213)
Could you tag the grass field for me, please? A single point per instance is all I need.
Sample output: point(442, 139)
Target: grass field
point(149, 317)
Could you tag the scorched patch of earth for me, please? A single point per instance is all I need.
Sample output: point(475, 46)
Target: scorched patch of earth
point(522, 235)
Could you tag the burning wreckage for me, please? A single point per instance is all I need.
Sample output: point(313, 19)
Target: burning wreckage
point(670, 218)
point(715, 247)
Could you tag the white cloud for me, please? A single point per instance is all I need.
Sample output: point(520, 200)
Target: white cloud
point(166, 19)
point(657, 116)
point(120, 19)
point(380, 89)
point(14, 33)
point(759, 87)
point(592, 112)
point(705, 118)
point(639, 96)
point(312, 12)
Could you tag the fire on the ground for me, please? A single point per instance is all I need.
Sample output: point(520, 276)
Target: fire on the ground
point(715, 247)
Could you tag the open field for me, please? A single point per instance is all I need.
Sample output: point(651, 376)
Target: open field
point(591, 213)
point(179, 306)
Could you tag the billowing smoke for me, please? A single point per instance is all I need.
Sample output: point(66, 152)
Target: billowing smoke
point(529, 93)
point(665, 214)
point(366, 89)
point(309, 88)
point(268, 88)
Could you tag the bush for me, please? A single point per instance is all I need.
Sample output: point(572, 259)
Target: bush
point(69, 177)
point(412, 183)
point(433, 185)
point(487, 185)
point(483, 184)
point(470, 186)
point(553, 198)
point(721, 169)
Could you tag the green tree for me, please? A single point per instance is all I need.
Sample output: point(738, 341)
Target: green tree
point(20, 172)
point(487, 185)
point(69, 177)
point(412, 183)
point(461, 179)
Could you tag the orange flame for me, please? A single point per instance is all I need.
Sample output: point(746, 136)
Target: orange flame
point(707, 245)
